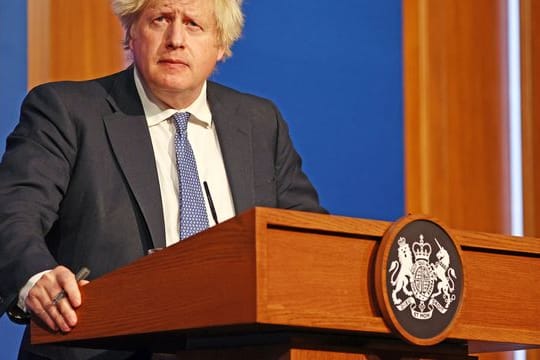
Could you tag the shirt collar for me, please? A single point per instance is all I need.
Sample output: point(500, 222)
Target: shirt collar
point(156, 112)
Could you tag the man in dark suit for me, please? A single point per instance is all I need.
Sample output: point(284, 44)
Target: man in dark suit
point(90, 175)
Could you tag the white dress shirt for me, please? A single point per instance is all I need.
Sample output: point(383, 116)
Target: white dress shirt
point(203, 138)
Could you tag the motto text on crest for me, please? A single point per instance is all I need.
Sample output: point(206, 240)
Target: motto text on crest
point(426, 286)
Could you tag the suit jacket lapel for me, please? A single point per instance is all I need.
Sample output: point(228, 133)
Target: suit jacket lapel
point(129, 136)
point(130, 140)
point(234, 133)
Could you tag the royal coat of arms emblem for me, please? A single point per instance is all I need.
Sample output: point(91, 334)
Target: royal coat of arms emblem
point(427, 285)
point(419, 279)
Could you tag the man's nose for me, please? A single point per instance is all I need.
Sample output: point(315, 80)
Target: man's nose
point(176, 34)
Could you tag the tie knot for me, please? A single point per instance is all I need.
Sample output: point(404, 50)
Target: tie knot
point(181, 120)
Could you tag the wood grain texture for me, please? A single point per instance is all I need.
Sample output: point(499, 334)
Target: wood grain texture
point(318, 280)
point(196, 283)
point(39, 42)
point(265, 270)
point(269, 353)
point(306, 354)
point(530, 84)
point(72, 40)
point(456, 112)
point(499, 296)
point(301, 256)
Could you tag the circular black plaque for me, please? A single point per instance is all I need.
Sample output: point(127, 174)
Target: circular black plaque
point(419, 280)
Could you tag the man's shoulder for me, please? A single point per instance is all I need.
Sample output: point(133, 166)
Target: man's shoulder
point(85, 88)
point(228, 95)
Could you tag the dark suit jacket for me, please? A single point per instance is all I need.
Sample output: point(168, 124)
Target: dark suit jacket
point(78, 181)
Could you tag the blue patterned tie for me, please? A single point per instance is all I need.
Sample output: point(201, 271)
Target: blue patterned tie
point(193, 216)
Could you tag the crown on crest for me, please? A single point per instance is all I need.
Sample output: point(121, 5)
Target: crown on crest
point(421, 249)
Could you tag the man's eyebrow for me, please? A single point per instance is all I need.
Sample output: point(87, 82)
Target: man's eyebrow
point(192, 13)
point(161, 9)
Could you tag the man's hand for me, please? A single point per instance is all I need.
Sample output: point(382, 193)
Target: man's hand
point(40, 302)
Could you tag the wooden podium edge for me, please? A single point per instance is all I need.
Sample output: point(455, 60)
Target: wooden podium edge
point(264, 218)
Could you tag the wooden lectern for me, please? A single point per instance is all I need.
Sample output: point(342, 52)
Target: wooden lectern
point(278, 284)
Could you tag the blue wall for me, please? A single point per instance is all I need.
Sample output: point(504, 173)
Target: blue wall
point(334, 68)
point(12, 90)
point(13, 64)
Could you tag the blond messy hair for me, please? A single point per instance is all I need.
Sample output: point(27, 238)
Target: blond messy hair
point(228, 15)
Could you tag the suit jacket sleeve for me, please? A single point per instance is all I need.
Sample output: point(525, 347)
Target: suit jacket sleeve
point(294, 189)
point(34, 175)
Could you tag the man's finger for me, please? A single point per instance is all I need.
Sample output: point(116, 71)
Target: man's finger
point(65, 309)
point(40, 313)
point(67, 281)
point(58, 318)
point(71, 292)
point(37, 302)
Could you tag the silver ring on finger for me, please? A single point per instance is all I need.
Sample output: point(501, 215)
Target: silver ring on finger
point(50, 305)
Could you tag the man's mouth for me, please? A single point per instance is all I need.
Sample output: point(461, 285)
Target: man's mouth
point(173, 62)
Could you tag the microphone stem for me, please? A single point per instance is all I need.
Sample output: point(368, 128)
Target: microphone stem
point(210, 202)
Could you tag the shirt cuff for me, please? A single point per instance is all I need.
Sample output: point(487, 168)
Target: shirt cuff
point(23, 294)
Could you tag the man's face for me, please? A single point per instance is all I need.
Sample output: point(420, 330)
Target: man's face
point(174, 46)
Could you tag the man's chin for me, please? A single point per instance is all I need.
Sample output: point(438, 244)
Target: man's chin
point(175, 83)
point(177, 94)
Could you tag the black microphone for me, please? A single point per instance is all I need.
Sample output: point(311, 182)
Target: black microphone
point(210, 202)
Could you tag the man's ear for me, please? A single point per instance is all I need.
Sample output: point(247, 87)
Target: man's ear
point(221, 53)
point(130, 31)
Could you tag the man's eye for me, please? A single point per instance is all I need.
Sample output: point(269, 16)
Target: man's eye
point(192, 25)
point(160, 19)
